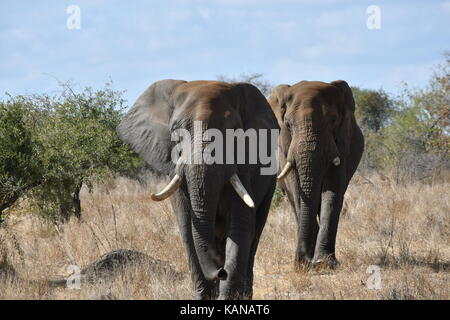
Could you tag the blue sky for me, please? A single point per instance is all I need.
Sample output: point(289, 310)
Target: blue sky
point(135, 43)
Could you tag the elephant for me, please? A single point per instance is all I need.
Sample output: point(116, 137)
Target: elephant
point(221, 208)
point(320, 148)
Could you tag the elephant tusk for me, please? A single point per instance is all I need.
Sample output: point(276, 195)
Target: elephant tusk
point(336, 161)
point(287, 168)
point(240, 190)
point(173, 185)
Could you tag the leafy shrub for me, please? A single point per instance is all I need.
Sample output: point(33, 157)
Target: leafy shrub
point(373, 108)
point(410, 141)
point(20, 164)
point(72, 142)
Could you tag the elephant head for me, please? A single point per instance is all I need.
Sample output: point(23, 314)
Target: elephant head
point(169, 106)
point(317, 123)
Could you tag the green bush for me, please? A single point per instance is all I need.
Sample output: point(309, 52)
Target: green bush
point(373, 108)
point(20, 164)
point(413, 141)
point(72, 142)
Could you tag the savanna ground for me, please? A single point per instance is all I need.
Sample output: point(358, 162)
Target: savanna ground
point(402, 229)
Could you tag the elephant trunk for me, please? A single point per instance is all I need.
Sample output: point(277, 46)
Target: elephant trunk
point(309, 203)
point(204, 198)
point(307, 157)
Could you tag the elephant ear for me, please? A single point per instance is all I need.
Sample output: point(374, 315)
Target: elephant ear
point(346, 105)
point(277, 101)
point(146, 126)
point(256, 112)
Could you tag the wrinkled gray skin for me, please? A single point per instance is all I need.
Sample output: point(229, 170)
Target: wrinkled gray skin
point(317, 125)
point(217, 228)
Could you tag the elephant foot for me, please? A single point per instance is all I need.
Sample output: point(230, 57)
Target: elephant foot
point(200, 296)
point(248, 292)
point(203, 296)
point(325, 262)
point(209, 293)
point(230, 290)
point(302, 264)
point(231, 296)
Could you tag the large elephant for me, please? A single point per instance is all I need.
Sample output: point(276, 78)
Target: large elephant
point(221, 209)
point(320, 148)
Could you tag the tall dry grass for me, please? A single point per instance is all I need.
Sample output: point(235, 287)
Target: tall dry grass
point(402, 229)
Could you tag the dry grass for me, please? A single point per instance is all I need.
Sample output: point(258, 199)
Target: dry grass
point(403, 229)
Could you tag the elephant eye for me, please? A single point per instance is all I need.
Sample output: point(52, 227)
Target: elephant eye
point(333, 121)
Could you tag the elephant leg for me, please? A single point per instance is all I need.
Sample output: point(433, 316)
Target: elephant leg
point(238, 246)
point(334, 188)
point(305, 245)
point(203, 289)
point(331, 204)
point(306, 235)
point(261, 218)
point(306, 238)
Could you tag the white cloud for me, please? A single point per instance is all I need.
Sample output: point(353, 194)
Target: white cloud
point(413, 74)
point(332, 45)
point(24, 38)
point(291, 71)
point(205, 13)
point(446, 6)
point(287, 31)
point(330, 19)
point(156, 43)
point(349, 16)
